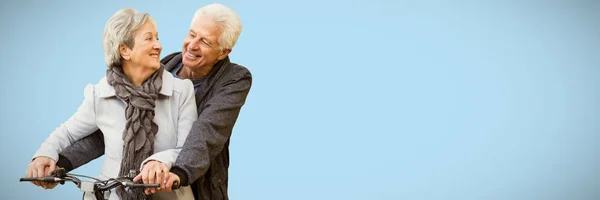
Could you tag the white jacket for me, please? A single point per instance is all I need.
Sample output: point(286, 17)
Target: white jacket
point(175, 112)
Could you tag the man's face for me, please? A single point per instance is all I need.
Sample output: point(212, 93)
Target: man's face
point(201, 45)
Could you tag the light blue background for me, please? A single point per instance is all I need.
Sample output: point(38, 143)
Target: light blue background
point(351, 99)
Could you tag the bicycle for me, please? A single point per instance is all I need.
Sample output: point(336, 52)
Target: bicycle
point(97, 187)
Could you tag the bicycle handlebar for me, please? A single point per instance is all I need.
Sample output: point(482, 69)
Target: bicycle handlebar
point(61, 176)
point(97, 187)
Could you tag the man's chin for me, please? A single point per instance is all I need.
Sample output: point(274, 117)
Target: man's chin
point(187, 62)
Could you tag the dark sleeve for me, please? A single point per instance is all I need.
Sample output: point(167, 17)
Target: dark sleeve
point(82, 151)
point(213, 128)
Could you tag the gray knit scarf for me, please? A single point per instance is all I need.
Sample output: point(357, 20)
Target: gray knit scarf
point(140, 130)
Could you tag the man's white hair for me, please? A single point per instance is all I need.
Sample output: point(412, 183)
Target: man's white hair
point(226, 19)
point(120, 29)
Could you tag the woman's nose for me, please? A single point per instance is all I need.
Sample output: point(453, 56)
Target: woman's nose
point(157, 45)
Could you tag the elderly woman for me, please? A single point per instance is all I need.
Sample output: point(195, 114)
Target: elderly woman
point(142, 110)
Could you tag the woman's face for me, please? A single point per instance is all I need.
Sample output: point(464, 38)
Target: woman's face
point(146, 49)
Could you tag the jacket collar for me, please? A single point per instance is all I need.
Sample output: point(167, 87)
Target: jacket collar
point(172, 60)
point(105, 90)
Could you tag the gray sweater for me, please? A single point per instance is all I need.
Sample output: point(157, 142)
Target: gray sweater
point(204, 159)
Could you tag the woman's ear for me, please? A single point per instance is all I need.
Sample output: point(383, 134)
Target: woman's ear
point(125, 52)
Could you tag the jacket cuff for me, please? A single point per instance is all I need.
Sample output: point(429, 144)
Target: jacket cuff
point(183, 178)
point(64, 163)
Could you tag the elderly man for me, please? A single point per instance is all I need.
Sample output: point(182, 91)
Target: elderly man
point(221, 89)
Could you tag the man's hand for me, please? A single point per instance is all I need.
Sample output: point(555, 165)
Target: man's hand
point(154, 172)
point(40, 167)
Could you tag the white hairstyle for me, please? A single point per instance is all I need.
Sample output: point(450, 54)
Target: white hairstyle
point(226, 19)
point(120, 29)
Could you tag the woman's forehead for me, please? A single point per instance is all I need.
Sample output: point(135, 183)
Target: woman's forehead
point(148, 27)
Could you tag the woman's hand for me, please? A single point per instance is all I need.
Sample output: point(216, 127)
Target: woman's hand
point(40, 167)
point(155, 172)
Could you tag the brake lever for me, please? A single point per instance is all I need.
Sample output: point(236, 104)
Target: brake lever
point(60, 173)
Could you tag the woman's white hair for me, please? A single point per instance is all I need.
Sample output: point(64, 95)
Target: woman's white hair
point(120, 29)
point(227, 19)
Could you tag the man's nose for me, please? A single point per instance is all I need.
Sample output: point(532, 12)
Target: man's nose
point(194, 45)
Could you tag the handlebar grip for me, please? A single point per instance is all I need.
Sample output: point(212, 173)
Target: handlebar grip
point(46, 179)
point(141, 185)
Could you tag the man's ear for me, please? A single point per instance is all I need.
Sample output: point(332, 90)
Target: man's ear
point(125, 52)
point(224, 54)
